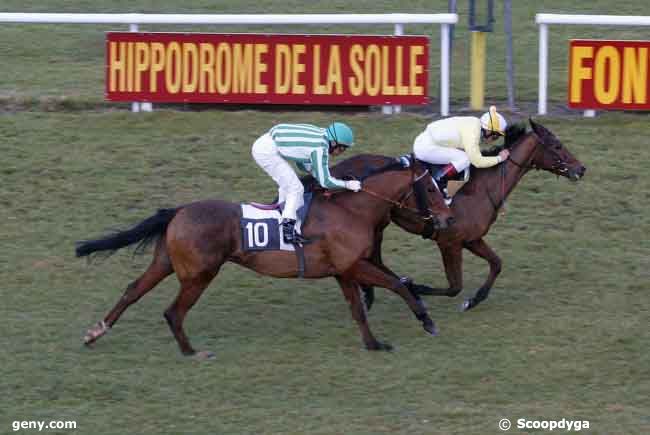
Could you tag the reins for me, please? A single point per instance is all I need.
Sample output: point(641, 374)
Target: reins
point(400, 204)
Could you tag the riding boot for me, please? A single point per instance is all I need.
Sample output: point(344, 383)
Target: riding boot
point(442, 176)
point(289, 230)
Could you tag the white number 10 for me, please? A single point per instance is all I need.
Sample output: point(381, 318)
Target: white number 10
point(257, 238)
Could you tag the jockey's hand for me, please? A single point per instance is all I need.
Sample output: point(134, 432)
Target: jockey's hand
point(353, 185)
point(504, 154)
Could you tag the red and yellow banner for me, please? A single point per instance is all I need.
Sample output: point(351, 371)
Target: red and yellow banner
point(267, 69)
point(609, 74)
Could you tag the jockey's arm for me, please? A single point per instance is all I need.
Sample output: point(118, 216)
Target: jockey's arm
point(321, 170)
point(471, 137)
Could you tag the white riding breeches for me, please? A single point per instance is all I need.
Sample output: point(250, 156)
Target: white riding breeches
point(425, 148)
point(290, 189)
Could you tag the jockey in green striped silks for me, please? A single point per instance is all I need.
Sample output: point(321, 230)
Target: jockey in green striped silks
point(309, 147)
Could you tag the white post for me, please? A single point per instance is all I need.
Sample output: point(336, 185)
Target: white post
point(135, 107)
point(388, 110)
point(543, 68)
point(445, 29)
point(399, 31)
point(589, 113)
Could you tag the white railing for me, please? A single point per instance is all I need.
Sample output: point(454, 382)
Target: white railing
point(598, 20)
point(133, 20)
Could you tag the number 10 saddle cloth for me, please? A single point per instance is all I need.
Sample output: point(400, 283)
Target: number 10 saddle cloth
point(261, 229)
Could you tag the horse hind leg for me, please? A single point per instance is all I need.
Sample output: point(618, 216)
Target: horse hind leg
point(159, 269)
point(452, 258)
point(191, 290)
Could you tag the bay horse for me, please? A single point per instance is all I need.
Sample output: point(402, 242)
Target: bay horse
point(476, 206)
point(195, 240)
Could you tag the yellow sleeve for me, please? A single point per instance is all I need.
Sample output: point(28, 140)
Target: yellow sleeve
point(470, 134)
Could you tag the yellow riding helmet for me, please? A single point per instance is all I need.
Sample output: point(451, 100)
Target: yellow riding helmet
point(494, 122)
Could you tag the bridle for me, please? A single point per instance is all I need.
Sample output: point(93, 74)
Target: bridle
point(560, 165)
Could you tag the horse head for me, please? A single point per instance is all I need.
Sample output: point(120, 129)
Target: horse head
point(553, 156)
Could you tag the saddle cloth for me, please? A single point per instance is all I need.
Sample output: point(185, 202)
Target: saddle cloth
point(261, 229)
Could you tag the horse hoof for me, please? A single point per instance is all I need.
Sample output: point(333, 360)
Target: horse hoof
point(204, 355)
point(431, 329)
point(94, 333)
point(466, 305)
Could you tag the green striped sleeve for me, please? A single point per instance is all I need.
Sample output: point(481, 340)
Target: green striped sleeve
point(321, 170)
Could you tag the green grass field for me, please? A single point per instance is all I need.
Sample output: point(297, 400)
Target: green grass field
point(563, 334)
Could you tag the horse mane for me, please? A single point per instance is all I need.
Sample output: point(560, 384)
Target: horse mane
point(514, 133)
point(392, 164)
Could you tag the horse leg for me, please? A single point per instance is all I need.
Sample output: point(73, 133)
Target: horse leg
point(351, 293)
point(191, 290)
point(369, 291)
point(481, 249)
point(159, 269)
point(452, 258)
point(367, 273)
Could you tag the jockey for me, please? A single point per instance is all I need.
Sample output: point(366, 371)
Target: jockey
point(454, 142)
point(309, 147)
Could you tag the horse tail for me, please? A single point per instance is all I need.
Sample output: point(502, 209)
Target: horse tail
point(145, 232)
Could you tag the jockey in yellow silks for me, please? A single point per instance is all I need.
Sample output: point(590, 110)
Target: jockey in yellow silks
point(454, 142)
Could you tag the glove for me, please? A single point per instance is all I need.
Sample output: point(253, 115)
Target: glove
point(353, 185)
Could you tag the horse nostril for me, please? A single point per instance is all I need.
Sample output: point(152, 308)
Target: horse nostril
point(450, 220)
point(582, 170)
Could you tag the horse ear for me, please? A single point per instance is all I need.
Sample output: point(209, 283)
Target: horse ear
point(537, 128)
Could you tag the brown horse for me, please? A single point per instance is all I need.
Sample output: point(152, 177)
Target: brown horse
point(194, 240)
point(476, 205)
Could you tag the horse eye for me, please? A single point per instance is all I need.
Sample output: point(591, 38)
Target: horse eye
point(558, 147)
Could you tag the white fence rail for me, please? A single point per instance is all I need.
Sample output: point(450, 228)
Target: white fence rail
point(133, 20)
point(591, 20)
